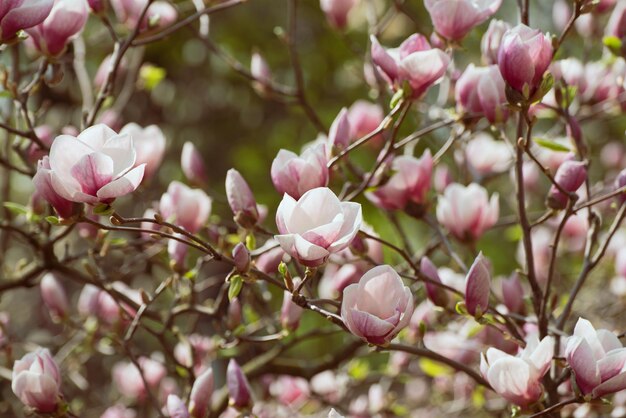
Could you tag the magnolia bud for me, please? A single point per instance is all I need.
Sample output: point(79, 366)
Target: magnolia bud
point(259, 68)
point(234, 314)
point(201, 393)
point(339, 133)
point(54, 296)
point(239, 390)
point(36, 381)
point(241, 199)
point(290, 313)
point(337, 11)
point(477, 283)
point(176, 408)
point(490, 43)
point(455, 19)
point(193, 165)
point(97, 6)
point(513, 294)
point(435, 293)
point(241, 257)
point(570, 176)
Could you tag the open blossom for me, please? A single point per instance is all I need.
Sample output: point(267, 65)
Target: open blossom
point(524, 57)
point(378, 307)
point(480, 90)
point(149, 145)
point(95, 167)
point(337, 11)
point(44, 189)
point(316, 225)
point(36, 381)
point(186, 207)
point(490, 43)
point(409, 182)
point(597, 358)
point(160, 13)
point(488, 156)
point(295, 175)
point(466, 211)
point(518, 378)
point(16, 15)
point(65, 21)
point(453, 19)
point(414, 61)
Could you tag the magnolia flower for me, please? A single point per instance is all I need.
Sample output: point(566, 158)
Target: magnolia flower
point(192, 164)
point(118, 411)
point(518, 378)
point(176, 408)
point(186, 207)
point(414, 61)
point(617, 23)
point(45, 190)
point(477, 287)
point(480, 90)
point(36, 381)
point(466, 211)
point(337, 11)
point(129, 381)
point(290, 313)
point(54, 296)
point(239, 390)
point(159, 15)
point(316, 225)
point(95, 167)
point(488, 156)
point(378, 307)
point(513, 294)
point(295, 175)
point(524, 57)
point(490, 43)
point(241, 199)
point(570, 176)
point(16, 15)
point(597, 358)
point(201, 392)
point(149, 145)
point(339, 135)
point(290, 390)
point(409, 182)
point(453, 19)
point(364, 117)
point(65, 21)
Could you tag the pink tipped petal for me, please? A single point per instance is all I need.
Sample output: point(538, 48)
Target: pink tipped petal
point(124, 185)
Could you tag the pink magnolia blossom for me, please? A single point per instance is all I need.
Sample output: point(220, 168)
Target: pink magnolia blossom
point(241, 200)
point(195, 351)
point(290, 313)
point(16, 15)
point(239, 390)
point(410, 182)
point(466, 211)
point(524, 57)
point(597, 358)
point(513, 294)
point(414, 61)
point(44, 189)
point(186, 207)
point(490, 43)
point(95, 167)
point(54, 296)
point(176, 408)
point(435, 293)
point(201, 392)
point(339, 136)
point(364, 117)
point(192, 164)
point(129, 381)
point(487, 156)
point(570, 176)
point(66, 20)
point(617, 23)
point(378, 307)
point(453, 19)
point(36, 380)
point(337, 11)
point(118, 411)
point(241, 258)
point(295, 175)
point(160, 14)
point(290, 390)
point(477, 286)
point(480, 90)
point(518, 378)
point(316, 225)
point(149, 145)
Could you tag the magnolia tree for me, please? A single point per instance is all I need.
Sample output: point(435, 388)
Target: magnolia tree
point(451, 243)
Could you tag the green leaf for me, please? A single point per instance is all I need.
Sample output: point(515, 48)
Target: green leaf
point(396, 98)
point(460, 308)
point(435, 369)
point(554, 146)
point(151, 76)
point(613, 43)
point(236, 283)
point(52, 220)
point(16, 208)
point(513, 233)
point(103, 209)
point(358, 369)
point(250, 242)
